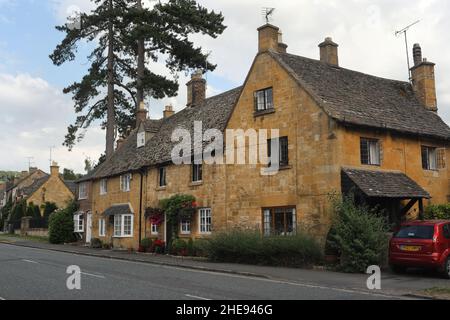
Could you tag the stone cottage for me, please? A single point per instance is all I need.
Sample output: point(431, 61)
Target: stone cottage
point(339, 131)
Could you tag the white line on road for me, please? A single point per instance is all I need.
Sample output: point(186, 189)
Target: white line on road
point(30, 261)
point(93, 275)
point(197, 297)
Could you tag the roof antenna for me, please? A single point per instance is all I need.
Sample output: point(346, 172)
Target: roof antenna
point(267, 13)
point(405, 31)
point(30, 161)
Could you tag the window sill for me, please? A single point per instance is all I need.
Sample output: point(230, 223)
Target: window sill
point(263, 112)
point(161, 188)
point(196, 183)
point(122, 237)
point(79, 199)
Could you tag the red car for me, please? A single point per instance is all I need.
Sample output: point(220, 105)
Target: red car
point(421, 244)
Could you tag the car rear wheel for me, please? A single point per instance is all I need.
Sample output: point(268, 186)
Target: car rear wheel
point(398, 269)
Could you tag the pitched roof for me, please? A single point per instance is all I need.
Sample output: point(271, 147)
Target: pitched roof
point(214, 113)
point(71, 185)
point(31, 189)
point(385, 184)
point(28, 191)
point(359, 99)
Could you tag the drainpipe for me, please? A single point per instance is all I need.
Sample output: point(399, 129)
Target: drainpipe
point(141, 172)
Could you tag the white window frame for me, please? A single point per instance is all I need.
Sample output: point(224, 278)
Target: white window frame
point(203, 226)
point(154, 229)
point(125, 182)
point(373, 151)
point(82, 191)
point(140, 139)
point(102, 228)
point(432, 158)
point(185, 227)
point(78, 223)
point(119, 226)
point(103, 187)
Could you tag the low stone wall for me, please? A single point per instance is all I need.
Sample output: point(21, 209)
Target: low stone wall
point(37, 232)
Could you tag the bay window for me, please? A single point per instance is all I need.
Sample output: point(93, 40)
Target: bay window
point(123, 226)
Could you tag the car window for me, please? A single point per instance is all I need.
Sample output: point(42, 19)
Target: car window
point(446, 229)
point(415, 232)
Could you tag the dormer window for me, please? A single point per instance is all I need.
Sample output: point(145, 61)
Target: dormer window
point(140, 139)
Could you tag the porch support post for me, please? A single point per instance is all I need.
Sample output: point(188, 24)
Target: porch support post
point(421, 212)
point(408, 207)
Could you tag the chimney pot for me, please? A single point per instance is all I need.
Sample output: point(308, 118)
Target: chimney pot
point(196, 89)
point(54, 169)
point(329, 52)
point(417, 54)
point(168, 112)
point(119, 142)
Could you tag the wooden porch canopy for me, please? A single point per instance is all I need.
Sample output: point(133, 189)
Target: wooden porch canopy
point(385, 185)
point(119, 209)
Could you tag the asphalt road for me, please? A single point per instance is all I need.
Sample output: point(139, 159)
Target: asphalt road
point(38, 274)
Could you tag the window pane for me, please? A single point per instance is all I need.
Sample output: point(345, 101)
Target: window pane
point(425, 164)
point(374, 152)
point(260, 98)
point(364, 152)
point(205, 220)
point(117, 226)
point(269, 98)
point(432, 158)
point(284, 151)
point(267, 223)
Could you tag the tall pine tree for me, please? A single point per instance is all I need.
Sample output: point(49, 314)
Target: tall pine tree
point(127, 36)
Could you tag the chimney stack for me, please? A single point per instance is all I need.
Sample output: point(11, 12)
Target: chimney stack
point(119, 142)
point(168, 112)
point(329, 52)
point(54, 169)
point(270, 38)
point(423, 80)
point(196, 89)
point(141, 113)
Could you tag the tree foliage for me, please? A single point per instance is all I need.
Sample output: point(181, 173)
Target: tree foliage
point(119, 25)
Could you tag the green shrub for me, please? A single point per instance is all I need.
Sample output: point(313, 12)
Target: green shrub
point(146, 244)
point(49, 208)
point(33, 211)
point(18, 211)
point(179, 247)
point(359, 234)
point(96, 243)
point(190, 248)
point(250, 247)
point(438, 212)
point(61, 225)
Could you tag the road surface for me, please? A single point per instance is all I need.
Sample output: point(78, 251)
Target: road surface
point(37, 274)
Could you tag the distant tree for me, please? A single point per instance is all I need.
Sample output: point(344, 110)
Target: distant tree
point(49, 208)
point(127, 36)
point(33, 211)
point(88, 165)
point(18, 211)
point(70, 175)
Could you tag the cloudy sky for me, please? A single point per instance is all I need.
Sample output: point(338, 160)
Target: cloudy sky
point(35, 113)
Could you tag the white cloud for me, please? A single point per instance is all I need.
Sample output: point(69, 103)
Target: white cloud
point(35, 118)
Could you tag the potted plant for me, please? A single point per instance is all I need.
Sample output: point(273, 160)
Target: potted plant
point(155, 215)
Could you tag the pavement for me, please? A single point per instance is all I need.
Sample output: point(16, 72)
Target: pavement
point(201, 277)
